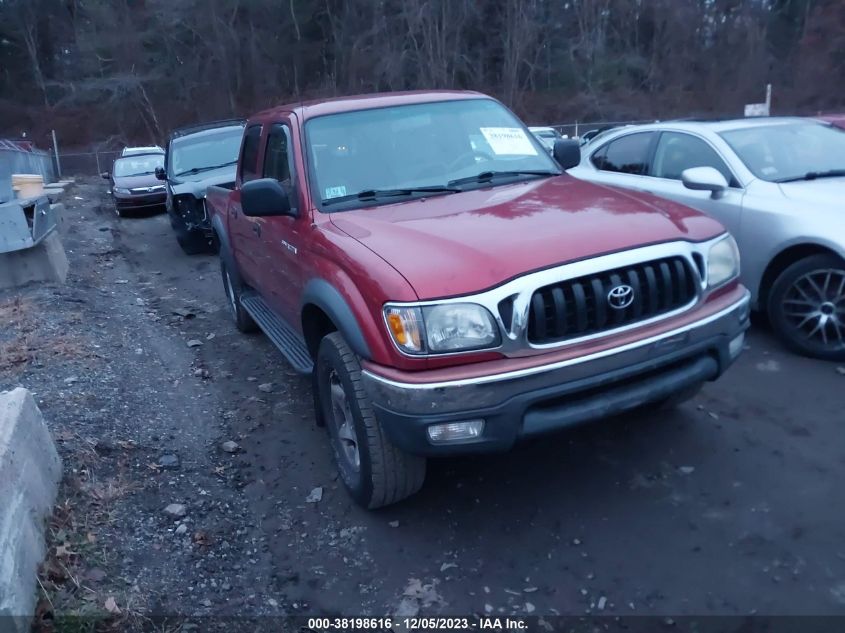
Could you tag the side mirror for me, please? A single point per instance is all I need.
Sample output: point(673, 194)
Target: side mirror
point(567, 153)
point(705, 179)
point(265, 197)
point(160, 173)
point(105, 175)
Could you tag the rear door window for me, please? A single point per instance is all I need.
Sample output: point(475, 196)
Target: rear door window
point(249, 155)
point(626, 155)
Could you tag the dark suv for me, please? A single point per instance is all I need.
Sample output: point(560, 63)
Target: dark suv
point(197, 157)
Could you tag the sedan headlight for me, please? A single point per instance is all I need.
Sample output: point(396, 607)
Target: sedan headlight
point(447, 327)
point(722, 262)
point(122, 190)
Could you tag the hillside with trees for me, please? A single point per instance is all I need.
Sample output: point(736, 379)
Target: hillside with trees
point(114, 71)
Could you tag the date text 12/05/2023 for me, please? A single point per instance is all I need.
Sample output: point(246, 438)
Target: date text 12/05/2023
point(483, 623)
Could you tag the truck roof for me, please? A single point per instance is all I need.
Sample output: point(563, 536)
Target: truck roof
point(333, 105)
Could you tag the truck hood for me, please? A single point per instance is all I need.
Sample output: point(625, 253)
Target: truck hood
point(467, 242)
point(824, 191)
point(196, 184)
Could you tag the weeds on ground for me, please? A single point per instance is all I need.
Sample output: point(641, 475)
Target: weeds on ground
point(25, 339)
point(75, 591)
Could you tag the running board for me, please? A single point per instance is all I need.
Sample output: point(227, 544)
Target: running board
point(289, 342)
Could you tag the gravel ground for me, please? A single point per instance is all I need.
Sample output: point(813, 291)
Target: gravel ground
point(192, 464)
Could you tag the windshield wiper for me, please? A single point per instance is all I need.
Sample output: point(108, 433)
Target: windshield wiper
point(375, 194)
point(488, 176)
point(143, 173)
point(196, 170)
point(813, 175)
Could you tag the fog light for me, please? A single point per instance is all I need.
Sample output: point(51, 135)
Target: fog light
point(735, 346)
point(455, 431)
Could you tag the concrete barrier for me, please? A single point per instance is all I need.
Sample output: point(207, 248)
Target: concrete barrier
point(46, 261)
point(30, 470)
point(25, 254)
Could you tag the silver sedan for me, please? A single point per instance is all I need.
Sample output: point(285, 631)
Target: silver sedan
point(777, 184)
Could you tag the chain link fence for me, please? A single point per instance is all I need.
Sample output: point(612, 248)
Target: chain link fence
point(14, 160)
point(86, 163)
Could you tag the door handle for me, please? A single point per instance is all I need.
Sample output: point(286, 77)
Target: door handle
point(256, 228)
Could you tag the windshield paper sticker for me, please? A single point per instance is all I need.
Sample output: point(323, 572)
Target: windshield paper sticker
point(508, 141)
point(334, 192)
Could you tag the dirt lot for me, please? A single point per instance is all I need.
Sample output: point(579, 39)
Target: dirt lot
point(730, 505)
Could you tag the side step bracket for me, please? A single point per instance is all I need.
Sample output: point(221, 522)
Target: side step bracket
point(283, 337)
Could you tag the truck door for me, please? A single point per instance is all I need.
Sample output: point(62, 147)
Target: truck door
point(245, 232)
point(283, 235)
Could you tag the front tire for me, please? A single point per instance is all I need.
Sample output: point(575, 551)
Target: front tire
point(375, 472)
point(806, 307)
point(191, 241)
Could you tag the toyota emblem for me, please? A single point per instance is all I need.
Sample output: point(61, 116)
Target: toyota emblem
point(620, 297)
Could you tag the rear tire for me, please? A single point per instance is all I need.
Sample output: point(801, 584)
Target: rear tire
point(233, 289)
point(375, 472)
point(806, 307)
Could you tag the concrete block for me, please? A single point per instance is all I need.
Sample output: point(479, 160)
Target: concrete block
point(54, 193)
point(46, 261)
point(30, 470)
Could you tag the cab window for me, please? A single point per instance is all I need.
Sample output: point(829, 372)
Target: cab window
point(677, 151)
point(278, 162)
point(626, 155)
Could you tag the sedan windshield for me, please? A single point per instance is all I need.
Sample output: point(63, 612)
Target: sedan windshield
point(205, 151)
point(790, 152)
point(397, 153)
point(137, 165)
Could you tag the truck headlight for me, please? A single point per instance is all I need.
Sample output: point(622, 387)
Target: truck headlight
point(122, 190)
point(448, 327)
point(722, 262)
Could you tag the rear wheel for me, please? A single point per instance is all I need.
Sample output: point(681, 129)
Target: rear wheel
point(806, 307)
point(233, 290)
point(375, 472)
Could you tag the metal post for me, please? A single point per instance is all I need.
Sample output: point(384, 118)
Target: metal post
point(56, 152)
point(97, 156)
point(576, 130)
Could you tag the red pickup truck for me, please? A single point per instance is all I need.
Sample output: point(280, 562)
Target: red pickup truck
point(451, 290)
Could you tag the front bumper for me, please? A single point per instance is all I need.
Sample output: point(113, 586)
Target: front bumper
point(140, 201)
point(535, 400)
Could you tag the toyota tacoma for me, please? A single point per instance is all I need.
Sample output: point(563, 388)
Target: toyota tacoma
point(451, 290)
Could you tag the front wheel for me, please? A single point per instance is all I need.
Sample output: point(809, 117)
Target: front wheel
point(191, 241)
point(806, 307)
point(375, 472)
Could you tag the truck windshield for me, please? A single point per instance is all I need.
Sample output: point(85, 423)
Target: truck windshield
point(790, 152)
point(204, 151)
point(419, 150)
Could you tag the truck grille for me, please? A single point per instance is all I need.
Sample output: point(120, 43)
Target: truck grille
point(579, 307)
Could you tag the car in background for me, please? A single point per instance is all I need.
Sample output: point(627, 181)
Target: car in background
point(777, 184)
point(151, 149)
point(197, 157)
point(547, 136)
point(133, 183)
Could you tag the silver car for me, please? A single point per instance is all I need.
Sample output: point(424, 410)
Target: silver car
point(777, 184)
